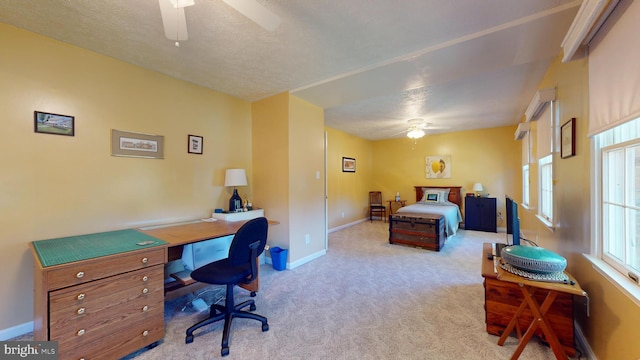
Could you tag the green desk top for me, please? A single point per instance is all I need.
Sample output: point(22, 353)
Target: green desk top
point(74, 248)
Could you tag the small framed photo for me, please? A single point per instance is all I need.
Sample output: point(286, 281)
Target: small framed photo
point(567, 139)
point(195, 144)
point(130, 144)
point(348, 164)
point(56, 124)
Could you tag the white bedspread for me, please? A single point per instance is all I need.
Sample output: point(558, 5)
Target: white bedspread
point(451, 212)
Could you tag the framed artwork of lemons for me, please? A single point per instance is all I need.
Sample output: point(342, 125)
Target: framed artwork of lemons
point(438, 166)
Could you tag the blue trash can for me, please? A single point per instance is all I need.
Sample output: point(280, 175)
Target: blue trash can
point(279, 258)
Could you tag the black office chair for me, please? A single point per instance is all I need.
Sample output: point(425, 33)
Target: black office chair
point(376, 205)
point(239, 267)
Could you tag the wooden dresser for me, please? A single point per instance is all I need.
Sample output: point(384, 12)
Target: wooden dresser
point(102, 307)
point(423, 230)
point(502, 299)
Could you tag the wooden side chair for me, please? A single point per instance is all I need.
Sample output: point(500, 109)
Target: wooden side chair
point(376, 206)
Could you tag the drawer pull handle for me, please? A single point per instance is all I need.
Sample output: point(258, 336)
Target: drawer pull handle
point(145, 333)
point(81, 311)
point(80, 296)
point(80, 332)
point(145, 308)
point(145, 260)
point(145, 278)
point(80, 274)
point(145, 291)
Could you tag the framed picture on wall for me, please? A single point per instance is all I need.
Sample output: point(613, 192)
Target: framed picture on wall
point(195, 144)
point(567, 139)
point(56, 124)
point(130, 144)
point(348, 164)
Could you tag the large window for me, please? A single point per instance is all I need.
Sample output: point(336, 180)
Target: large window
point(525, 185)
point(545, 201)
point(619, 205)
point(546, 140)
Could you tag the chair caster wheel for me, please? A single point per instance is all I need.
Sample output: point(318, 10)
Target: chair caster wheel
point(265, 327)
point(224, 351)
point(253, 294)
point(188, 339)
point(252, 307)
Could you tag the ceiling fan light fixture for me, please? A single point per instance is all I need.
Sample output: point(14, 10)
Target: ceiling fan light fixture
point(415, 133)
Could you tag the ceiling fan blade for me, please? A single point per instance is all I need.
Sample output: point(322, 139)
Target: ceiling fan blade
point(174, 21)
point(256, 12)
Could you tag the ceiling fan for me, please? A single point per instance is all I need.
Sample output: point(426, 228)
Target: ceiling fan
point(175, 23)
point(418, 128)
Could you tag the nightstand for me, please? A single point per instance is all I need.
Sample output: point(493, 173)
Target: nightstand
point(395, 205)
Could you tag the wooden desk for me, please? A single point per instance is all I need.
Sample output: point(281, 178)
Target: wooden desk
point(179, 235)
point(107, 303)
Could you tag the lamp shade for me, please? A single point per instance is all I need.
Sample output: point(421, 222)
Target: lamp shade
point(477, 187)
point(235, 177)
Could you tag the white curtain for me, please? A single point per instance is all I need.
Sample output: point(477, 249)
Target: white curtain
point(614, 73)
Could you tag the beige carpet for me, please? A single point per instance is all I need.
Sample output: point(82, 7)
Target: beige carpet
point(365, 299)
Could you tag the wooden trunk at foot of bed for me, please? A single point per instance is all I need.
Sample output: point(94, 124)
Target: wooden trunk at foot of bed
point(422, 230)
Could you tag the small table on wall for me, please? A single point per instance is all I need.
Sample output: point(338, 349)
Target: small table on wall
point(395, 205)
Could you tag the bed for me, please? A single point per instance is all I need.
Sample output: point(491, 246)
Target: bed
point(427, 223)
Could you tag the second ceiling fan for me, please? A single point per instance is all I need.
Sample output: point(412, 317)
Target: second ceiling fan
point(175, 22)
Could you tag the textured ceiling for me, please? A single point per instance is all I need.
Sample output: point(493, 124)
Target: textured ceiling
point(372, 65)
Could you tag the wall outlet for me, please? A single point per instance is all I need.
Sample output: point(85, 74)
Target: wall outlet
point(306, 239)
point(343, 214)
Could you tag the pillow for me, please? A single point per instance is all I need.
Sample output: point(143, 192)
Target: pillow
point(443, 194)
point(432, 196)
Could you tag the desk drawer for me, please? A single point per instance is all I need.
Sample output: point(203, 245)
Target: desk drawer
point(94, 269)
point(122, 338)
point(108, 302)
point(105, 293)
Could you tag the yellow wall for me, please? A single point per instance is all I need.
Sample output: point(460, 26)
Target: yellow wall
point(306, 179)
point(288, 165)
point(54, 186)
point(488, 156)
point(270, 127)
point(611, 327)
point(347, 192)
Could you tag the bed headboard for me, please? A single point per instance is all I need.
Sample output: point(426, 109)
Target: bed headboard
point(454, 193)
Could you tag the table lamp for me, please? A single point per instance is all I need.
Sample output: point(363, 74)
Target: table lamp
point(235, 177)
point(477, 187)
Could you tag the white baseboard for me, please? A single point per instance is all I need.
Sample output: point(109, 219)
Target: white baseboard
point(583, 344)
point(306, 259)
point(346, 225)
point(10, 333)
point(302, 261)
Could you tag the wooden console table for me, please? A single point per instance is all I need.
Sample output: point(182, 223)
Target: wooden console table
point(545, 309)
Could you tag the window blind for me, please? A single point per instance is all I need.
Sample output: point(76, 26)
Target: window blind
point(614, 55)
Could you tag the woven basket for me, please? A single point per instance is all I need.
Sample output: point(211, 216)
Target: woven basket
point(534, 259)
